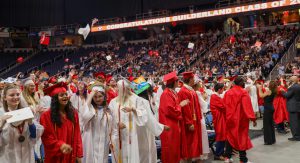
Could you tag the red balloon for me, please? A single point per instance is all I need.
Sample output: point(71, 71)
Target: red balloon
point(150, 52)
point(67, 60)
point(20, 59)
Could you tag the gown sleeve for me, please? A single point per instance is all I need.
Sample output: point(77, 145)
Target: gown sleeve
point(152, 124)
point(49, 139)
point(169, 106)
point(79, 152)
point(247, 106)
point(186, 110)
point(141, 116)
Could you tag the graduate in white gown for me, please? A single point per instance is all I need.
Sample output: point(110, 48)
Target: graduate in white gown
point(78, 101)
point(147, 133)
point(252, 90)
point(17, 139)
point(204, 109)
point(128, 111)
point(96, 122)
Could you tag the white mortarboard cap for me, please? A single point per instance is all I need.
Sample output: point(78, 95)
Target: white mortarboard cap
point(84, 31)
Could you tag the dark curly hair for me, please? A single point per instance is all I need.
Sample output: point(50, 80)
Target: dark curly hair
point(55, 115)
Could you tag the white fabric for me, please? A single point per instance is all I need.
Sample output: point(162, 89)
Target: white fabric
point(158, 94)
point(203, 105)
point(95, 138)
point(253, 96)
point(129, 152)
point(79, 105)
point(11, 150)
point(45, 102)
point(28, 82)
point(146, 136)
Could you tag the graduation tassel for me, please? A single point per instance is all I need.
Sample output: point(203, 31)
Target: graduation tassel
point(130, 127)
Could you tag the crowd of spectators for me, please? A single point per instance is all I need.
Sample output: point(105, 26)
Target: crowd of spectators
point(247, 52)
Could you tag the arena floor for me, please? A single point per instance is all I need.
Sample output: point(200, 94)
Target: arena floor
point(283, 151)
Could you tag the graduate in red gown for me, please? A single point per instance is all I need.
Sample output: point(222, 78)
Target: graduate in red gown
point(238, 114)
point(281, 113)
point(170, 115)
point(191, 114)
point(217, 109)
point(61, 138)
point(112, 88)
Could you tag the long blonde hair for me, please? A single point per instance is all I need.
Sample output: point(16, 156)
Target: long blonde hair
point(8, 87)
point(123, 91)
point(29, 97)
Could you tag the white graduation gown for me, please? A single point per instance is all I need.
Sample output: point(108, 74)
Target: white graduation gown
point(253, 97)
point(95, 137)
point(80, 106)
point(129, 139)
point(146, 136)
point(11, 150)
point(204, 105)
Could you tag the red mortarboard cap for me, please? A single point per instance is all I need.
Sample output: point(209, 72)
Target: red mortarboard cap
point(187, 75)
point(130, 78)
point(108, 78)
point(233, 78)
point(55, 89)
point(170, 77)
point(260, 81)
point(52, 80)
point(220, 78)
point(74, 77)
point(100, 74)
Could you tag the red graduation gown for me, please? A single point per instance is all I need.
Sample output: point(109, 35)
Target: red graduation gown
point(170, 115)
point(217, 109)
point(111, 94)
point(53, 140)
point(191, 114)
point(238, 114)
point(280, 114)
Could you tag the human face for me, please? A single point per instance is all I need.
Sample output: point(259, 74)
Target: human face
point(98, 98)
point(63, 98)
point(31, 88)
point(112, 82)
point(80, 86)
point(192, 82)
point(12, 98)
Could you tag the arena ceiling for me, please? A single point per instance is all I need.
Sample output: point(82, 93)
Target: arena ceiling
point(57, 12)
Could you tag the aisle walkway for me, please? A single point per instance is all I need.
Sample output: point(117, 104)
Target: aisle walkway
point(283, 151)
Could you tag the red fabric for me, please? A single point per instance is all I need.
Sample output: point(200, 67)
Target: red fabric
point(238, 113)
point(53, 140)
point(170, 77)
point(260, 100)
point(191, 113)
point(55, 89)
point(280, 111)
point(73, 88)
point(170, 115)
point(111, 94)
point(217, 109)
point(44, 40)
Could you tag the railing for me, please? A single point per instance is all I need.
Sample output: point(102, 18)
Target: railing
point(225, 3)
point(286, 58)
point(211, 48)
point(56, 27)
point(14, 65)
